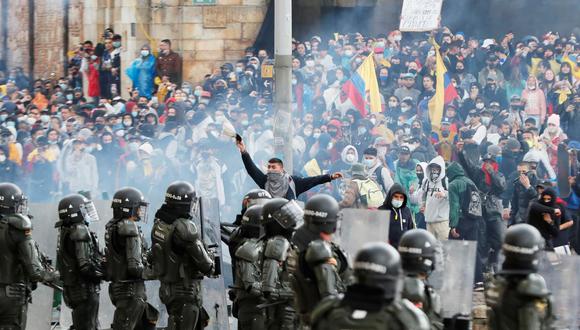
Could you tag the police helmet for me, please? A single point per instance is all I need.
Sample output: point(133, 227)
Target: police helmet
point(321, 213)
point(252, 222)
point(255, 197)
point(378, 265)
point(418, 249)
point(76, 208)
point(12, 199)
point(522, 246)
point(129, 202)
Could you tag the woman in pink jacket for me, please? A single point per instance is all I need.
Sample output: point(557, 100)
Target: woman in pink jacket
point(535, 101)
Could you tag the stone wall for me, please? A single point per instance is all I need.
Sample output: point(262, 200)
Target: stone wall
point(207, 36)
point(17, 25)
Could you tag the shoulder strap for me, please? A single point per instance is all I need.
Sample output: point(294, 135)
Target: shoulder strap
point(380, 181)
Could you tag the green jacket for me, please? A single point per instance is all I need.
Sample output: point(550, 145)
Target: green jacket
point(458, 184)
point(406, 176)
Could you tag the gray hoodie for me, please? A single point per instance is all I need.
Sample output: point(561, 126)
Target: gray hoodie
point(436, 209)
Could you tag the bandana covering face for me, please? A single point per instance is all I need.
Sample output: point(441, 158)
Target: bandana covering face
point(277, 184)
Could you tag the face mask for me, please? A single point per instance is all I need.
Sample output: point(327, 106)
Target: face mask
point(420, 176)
point(93, 57)
point(362, 130)
point(309, 64)
point(120, 133)
point(88, 149)
point(405, 109)
point(397, 37)
point(116, 44)
point(348, 53)
point(45, 118)
point(31, 121)
point(307, 132)
point(69, 97)
point(127, 123)
point(134, 114)
point(99, 127)
point(350, 158)
point(434, 176)
point(532, 87)
point(459, 70)
point(249, 73)
point(392, 104)
point(412, 147)
point(316, 135)
point(369, 162)
point(552, 129)
point(10, 124)
point(445, 134)
point(480, 106)
point(63, 86)
point(415, 131)
point(2, 158)
point(197, 93)
point(239, 70)
point(485, 120)
point(396, 203)
point(3, 117)
point(406, 129)
point(144, 53)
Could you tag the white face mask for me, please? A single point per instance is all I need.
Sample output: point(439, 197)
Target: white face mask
point(485, 120)
point(392, 104)
point(348, 53)
point(369, 162)
point(310, 64)
point(316, 135)
point(31, 121)
point(144, 53)
point(396, 203)
point(2, 158)
point(480, 105)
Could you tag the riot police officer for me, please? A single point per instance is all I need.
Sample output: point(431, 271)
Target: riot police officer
point(518, 297)
point(418, 249)
point(374, 302)
point(248, 270)
point(180, 259)
point(21, 265)
point(252, 197)
point(126, 262)
point(279, 218)
point(322, 265)
point(79, 260)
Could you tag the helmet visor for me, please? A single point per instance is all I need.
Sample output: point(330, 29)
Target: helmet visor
point(142, 213)
point(289, 214)
point(89, 212)
point(22, 207)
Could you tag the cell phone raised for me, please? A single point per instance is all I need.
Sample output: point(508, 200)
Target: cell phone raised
point(238, 138)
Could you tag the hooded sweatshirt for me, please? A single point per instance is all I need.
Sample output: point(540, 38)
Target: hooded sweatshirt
point(436, 209)
point(401, 219)
point(536, 217)
point(458, 187)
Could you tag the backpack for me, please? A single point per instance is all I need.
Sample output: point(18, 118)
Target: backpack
point(444, 183)
point(471, 205)
point(379, 176)
point(370, 193)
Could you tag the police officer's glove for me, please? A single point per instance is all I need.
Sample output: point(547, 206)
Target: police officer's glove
point(232, 295)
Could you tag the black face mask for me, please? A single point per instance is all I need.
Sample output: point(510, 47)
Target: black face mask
point(332, 133)
point(99, 127)
point(421, 176)
point(459, 70)
point(415, 131)
point(445, 134)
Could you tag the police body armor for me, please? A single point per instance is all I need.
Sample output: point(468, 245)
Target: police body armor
point(316, 279)
point(20, 269)
point(178, 253)
point(334, 313)
point(125, 251)
point(426, 298)
point(519, 302)
point(78, 256)
point(248, 270)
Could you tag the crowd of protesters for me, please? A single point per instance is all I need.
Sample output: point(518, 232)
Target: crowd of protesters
point(519, 98)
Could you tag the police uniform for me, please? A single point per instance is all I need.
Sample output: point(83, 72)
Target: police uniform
point(179, 257)
point(79, 260)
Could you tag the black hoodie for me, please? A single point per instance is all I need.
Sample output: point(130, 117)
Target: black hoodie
point(401, 218)
point(536, 217)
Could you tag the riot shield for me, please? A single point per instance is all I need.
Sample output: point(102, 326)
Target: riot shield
point(45, 218)
point(213, 289)
point(563, 170)
point(358, 227)
point(560, 273)
point(453, 277)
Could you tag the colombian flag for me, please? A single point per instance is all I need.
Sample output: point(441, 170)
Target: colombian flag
point(445, 92)
point(362, 89)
